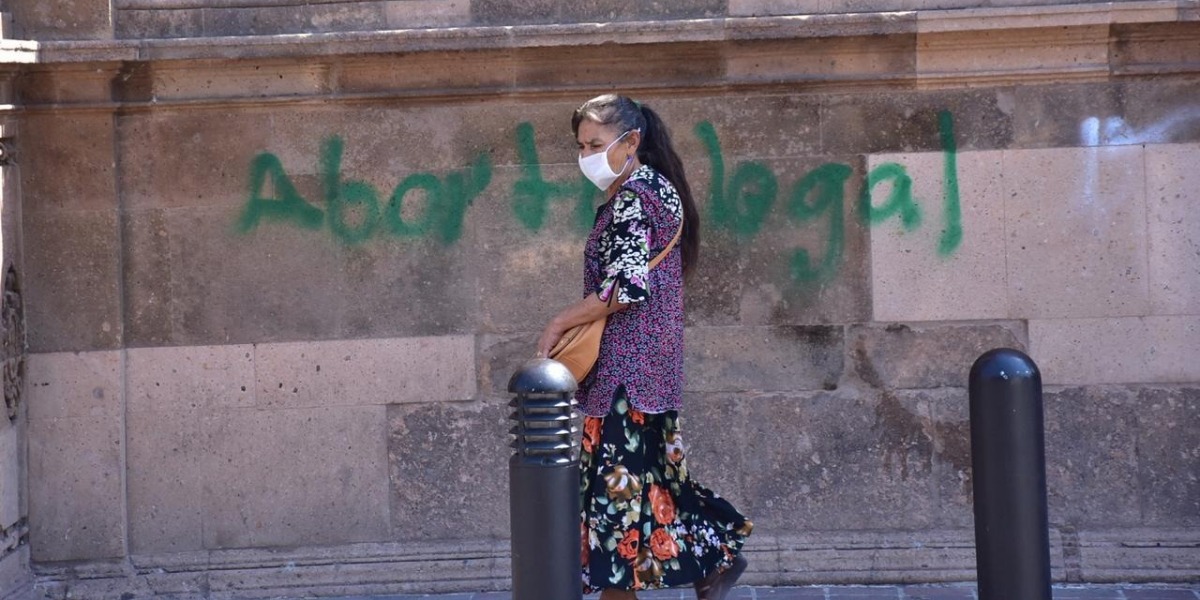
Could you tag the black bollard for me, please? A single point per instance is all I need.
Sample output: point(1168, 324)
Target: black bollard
point(1008, 457)
point(543, 478)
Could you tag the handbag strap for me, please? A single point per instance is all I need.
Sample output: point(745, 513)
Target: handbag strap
point(641, 187)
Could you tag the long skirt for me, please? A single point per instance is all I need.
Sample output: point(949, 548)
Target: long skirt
point(646, 524)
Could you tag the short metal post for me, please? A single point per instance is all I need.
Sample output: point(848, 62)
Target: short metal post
point(1008, 459)
point(544, 484)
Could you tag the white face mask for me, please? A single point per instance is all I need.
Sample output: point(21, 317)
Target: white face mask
point(596, 169)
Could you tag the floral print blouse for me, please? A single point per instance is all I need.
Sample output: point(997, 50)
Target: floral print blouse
point(642, 347)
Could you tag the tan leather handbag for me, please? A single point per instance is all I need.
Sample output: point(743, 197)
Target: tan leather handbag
point(579, 347)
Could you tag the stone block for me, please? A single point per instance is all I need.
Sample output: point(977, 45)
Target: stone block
point(430, 70)
point(407, 14)
point(950, 429)
point(1168, 450)
point(1017, 51)
point(16, 578)
point(1116, 350)
point(75, 491)
point(365, 372)
point(582, 67)
point(1092, 458)
point(1174, 230)
point(190, 378)
point(304, 18)
point(171, 474)
point(1077, 233)
point(897, 121)
point(68, 162)
point(68, 20)
point(1155, 111)
point(449, 475)
point(929, 355)
point(220, 79)
point(210, 163)
point(1119, 555)
point(146, 277)
point(851, 445)
point(946, 267)
point(1054, 116)
point(773, 8)
point(140, 24)
point(748, 127)
point(1139, 47)
point(607, 11)
point(12, 473)
point(506, 12)
point(71, 276)
point(78, 385)
point(297, 477)
point(818, 59)
point(720, 359)
point(711, 426)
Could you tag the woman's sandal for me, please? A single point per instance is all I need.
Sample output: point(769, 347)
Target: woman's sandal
point(719, 583)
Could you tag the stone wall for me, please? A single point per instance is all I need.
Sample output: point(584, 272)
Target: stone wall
point(275, 286)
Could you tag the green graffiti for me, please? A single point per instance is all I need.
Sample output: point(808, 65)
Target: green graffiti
point(828, 183)
point(900, 200)
point(342, 196)
point(742, 207)
point(952, 209)
point(532, 193)
point(286, 205)
point(353, 206)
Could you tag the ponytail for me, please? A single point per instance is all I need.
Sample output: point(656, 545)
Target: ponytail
point(657, 151)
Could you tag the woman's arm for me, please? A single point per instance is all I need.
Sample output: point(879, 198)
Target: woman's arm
point(586, 310)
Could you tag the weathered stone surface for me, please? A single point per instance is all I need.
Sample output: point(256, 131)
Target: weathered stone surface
point(935, 272)
point(12, 476)
point(1054, 116)
point(582, 66)
point(819, 59)
point(364, 372)
point(901, 355)
point(75, 509)
point(66, 162)
point(1168, 450)
point(146, 277)
point(1116, 350)
point(304, 18)
point(748, 127)
point(67, 20)
point(264, 78)
point(950, 429)
point(1165, 113)
point(150, 23)
point(1018, 51)
point(606, 11)
point(1092, 458)
point(1174, 230)
point(403, 14)
point(720, 359)
point(191, 378)
point(908, 121)
point(1077, 244)
point(848, 447)
point(1161, 555)
point(318, 479)
point(16, 578)
point(432, 496)
point(497, 12)
point(499, 356)
point(435, 70)
point(73, 385)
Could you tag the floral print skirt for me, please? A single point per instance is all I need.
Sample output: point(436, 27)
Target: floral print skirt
point(646, 524)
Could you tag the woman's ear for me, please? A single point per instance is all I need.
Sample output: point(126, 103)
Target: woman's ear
point(635, 138)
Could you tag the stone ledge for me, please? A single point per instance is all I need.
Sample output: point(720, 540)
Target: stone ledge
point(587, 34)
point(432, 567)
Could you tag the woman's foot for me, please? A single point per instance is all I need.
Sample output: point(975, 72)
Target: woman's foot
point(719, 583)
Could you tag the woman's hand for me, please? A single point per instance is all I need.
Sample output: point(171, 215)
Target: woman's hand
point(550, 336)
point(585, 311)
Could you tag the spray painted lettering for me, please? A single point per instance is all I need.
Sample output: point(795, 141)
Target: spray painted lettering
point(739, 203)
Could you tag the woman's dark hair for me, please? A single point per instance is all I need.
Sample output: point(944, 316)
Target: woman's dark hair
point(655, 150)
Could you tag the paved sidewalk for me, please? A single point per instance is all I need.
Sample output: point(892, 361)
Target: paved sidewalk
point(910, 592)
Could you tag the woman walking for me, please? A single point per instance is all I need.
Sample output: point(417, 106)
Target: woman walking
point(645, 524)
